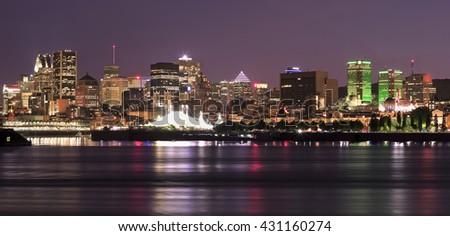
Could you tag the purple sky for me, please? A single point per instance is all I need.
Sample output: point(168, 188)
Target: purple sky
point(259, 37)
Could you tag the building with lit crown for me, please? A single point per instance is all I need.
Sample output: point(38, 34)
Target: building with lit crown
point(43, 74)
point(359, 81)
point(11, 98)
point(390, 85)
point(241, 86)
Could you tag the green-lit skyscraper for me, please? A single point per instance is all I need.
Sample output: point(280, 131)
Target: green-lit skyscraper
point(390, 84)
point(359, 80)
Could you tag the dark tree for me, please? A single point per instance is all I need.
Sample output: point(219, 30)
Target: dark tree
point(281, 125)
point(436, 123)
point(428, 121)
point(404, 121)
point(261, 125)
point(389, 122)
point(419, 124)
point(374, 123)
point(423, 114)
point(336, 126)
point(356, 125)
point(399, 120)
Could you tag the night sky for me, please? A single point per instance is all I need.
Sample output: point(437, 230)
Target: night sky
point(260, 37)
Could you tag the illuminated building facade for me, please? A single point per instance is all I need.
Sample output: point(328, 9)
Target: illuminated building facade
point(241, 86)
point(359, 81)
point(87, 92)
point(64, 75)
point(165, 85)
point(390, 85)
point(261, 88)
point(419, 88)
point(112, 89)
point(225, 91)
point(11, 98)
point(43, 74)
point(26, 90)
point(189, 70)
point(110, 71)
point(194, 85)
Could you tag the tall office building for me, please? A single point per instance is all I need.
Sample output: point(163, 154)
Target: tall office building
point(87, 92)
point(241, 86)
point(359, 80)
point(225, 91)
point(42, 88)
point(110, 71)
point(112, 90)
point(165, 85)
point(43, 74)
point(193, 83)
point(299, 88)
point(419, 88)
point(261, 91)
point(189, 70)
point(26, 89)
point(11, 98)
point(64, 75)
point(390, 85)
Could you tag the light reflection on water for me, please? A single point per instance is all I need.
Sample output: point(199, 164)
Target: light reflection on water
point(85, 141)
point(76, 176)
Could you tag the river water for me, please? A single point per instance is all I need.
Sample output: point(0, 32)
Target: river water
point(75, 176)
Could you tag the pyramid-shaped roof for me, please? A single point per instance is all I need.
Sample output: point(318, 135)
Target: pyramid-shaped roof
point(242, 78)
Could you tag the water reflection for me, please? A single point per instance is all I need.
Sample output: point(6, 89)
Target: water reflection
point(58, 176)
point(86, 141)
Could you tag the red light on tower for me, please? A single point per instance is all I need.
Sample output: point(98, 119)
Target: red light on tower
point(138, 77)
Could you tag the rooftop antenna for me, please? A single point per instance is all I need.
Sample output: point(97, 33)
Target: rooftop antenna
point(114, 55)
point(412, 67)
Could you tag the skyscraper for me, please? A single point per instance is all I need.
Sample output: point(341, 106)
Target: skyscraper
point(112, 90)
point(11, 98)
point(241, 86)
point(225, 91)
point(189, 69)
point(26, 88)
point(390, 84)
point(303, 88)
point(165, 85)
point(64, 74)
point(193, 83)
point(110, 71)
point(87, 92)
point(43, 74)
point(359, 80)
point(419, 88)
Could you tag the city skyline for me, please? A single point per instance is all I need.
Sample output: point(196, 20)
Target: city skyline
point(227, 37)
